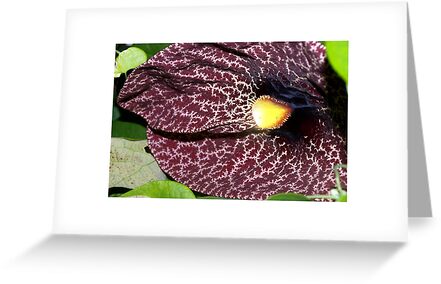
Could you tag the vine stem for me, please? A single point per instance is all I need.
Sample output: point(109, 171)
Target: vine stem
point(337, 178)
point(322, 196)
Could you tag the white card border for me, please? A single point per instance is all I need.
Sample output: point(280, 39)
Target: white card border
point(377, 124)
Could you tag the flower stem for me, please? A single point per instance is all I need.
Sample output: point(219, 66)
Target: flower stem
point(322, 196)
point(337, 178)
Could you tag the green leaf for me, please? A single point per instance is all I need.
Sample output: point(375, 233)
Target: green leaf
point(128, 59)
point(151, 48)
point(337, 52)
point(288, 197)
point(130, 165)
point(161, 189)
point(116, 73)
point(128, 130)
point(342, 198)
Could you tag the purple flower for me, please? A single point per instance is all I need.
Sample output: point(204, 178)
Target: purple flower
point(242, 120)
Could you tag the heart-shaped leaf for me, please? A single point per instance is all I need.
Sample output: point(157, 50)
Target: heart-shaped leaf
point(161, 189)
point(130, 165)
point(128, 59)
point(288, 197)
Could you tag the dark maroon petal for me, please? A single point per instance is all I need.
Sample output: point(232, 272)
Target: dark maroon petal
point(189, 88)
point(255, 165)
point(296, 64)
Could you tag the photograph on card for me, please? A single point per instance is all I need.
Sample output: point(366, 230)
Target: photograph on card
point(230, 120)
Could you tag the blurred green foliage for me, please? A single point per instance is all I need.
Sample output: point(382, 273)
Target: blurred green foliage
point(127, 57)
point(338, 52)
point(151, 48)
point(128, 130)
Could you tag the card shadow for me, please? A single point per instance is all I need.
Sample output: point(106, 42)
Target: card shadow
point(331, 259)
point(419, 202)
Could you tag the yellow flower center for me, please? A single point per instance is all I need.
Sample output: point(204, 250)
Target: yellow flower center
point(269, 113)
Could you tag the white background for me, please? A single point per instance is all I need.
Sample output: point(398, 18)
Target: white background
point(27, 180)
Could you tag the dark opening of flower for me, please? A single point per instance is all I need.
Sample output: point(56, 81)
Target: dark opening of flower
point(242, 120)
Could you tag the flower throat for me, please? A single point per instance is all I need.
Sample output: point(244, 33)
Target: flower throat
point(277, 104)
